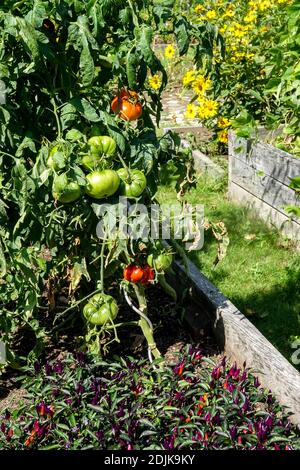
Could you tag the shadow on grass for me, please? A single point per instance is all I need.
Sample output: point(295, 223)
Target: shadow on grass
point(276, 313)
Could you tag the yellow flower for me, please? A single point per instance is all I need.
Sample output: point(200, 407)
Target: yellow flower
point(208, 109)
point(264, 5)
point(211, 14)
point(154, 82)
point(264, 29)
point(169, 51)
point(223, 137)
point(199, 8)
point(189, 77)
point(229, 12)
point(239, 30)
point(253, 4)
point(250, 17)
point(191, 111)
point(223, 122)
point(201, 85)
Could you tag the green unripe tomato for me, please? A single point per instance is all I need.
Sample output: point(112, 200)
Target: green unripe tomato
point(57, 157)
point(95, 145)
point(102, 184)
point(100, 309)
point(161, 262)
point(109, 145)
point(132, 185)
point(65, 190)
point(90, 162)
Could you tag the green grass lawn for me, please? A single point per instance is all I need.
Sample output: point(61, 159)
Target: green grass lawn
point(261, 272)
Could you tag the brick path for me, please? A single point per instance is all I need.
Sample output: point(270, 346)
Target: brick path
point(174, 106)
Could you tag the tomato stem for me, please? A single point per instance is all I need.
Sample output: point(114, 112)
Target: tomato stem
point(101, 287)
point(147, 331)
point(166, 286)
point(129, 179)
point(97, 291)
point(134, 15)
point(56, 117)
point(116, 338)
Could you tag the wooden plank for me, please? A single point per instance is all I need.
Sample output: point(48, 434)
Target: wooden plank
point(264, 187)
point(273, 217)
point(273, 162)
point(241, 340)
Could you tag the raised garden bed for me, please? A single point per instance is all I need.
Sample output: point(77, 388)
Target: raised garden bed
point(259, 177)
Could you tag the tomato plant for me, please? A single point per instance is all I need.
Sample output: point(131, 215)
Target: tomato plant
point(63, 63)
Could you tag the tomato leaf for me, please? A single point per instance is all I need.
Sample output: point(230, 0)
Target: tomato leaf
point(85, 108)
point(182, 35)
point(113, 130)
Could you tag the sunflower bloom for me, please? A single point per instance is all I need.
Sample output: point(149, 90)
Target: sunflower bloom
point(189, 78)
point(208, 109)
point(169, 51)
point(154, 82)
point(223, 122)
point(199, 9)
point(211, 15)
point(223, 137)
point(201, 85)
point(191, 111)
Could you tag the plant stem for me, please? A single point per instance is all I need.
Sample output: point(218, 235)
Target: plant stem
point(126, 168)
point(102, 266)
point(7, 154)
point(56, 117)
point(147, 331)
point(75, 305)
point(166, 286)
point(134, 16)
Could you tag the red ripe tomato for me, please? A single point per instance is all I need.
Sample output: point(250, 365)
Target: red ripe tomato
point(127, 105)
point(137, 274)
point(134, 273)
point(127, 272)
point(149, 274)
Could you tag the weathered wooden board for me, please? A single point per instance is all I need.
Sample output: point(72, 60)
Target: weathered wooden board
point(241, 340)
point(263, 186)
point(274, 218)
point(259, 177)
point(263, 157)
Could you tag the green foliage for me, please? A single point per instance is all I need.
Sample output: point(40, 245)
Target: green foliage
point(62, 63)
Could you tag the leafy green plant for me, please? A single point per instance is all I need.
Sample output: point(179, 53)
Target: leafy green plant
point(81, 403)
point(248, 67)
point(71, 71)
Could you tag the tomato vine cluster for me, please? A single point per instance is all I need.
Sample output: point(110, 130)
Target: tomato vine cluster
point(78, 128)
